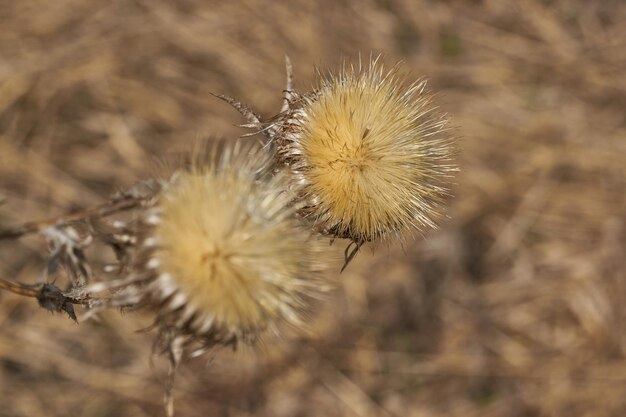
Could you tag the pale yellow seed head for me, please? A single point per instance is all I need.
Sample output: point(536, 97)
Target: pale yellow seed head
point(233, 248)
point(371, 155)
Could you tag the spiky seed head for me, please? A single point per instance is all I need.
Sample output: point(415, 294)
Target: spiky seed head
point(373, 156)
point(229, 257)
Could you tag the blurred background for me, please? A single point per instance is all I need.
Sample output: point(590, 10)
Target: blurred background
point(515, 307)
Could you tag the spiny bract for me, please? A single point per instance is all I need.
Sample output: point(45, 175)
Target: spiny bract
point(372, 155)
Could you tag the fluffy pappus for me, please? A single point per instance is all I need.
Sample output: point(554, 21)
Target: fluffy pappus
point(221, 255)
point(372, 157)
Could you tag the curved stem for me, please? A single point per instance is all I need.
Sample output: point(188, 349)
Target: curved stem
point(102, 210)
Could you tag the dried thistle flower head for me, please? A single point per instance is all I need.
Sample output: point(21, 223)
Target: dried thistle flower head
point(222, 256)
point(372, 155)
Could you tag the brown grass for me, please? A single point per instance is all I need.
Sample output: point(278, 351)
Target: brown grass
point(514, 308)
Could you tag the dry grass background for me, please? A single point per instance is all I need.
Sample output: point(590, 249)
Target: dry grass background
point(515, 307)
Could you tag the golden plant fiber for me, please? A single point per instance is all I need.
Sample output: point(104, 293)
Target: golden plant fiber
point(230, 243)
point(373, 155)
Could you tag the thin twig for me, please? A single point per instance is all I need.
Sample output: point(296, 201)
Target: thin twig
point(102, 210)
point(21, 289)
point(289, 86)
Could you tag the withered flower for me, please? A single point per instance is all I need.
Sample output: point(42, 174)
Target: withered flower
point(372, 157)
point(221, 255)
